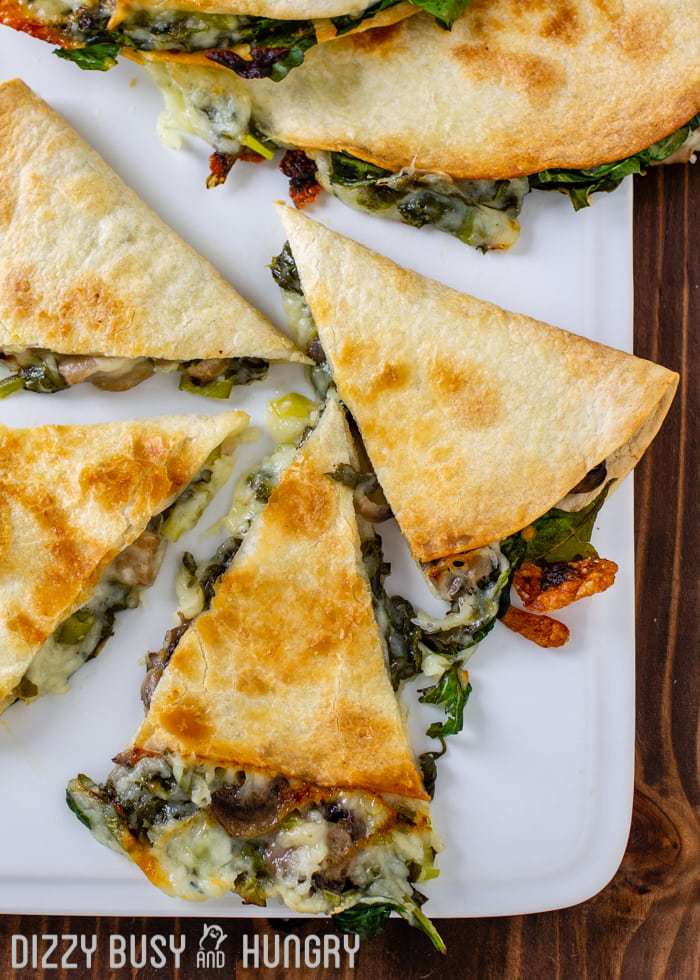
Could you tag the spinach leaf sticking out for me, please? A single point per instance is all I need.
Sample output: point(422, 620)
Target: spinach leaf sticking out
point(349, 170)
point(580, 184)
point(284, 271)
point(349, 22)
point(451, 693)
point(557, 536)
point(369, 917)
point(445, 12)
point(428, 767)
point(98, 56)
point(395, 615)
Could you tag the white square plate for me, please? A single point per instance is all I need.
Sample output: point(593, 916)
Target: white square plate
point(534, 797)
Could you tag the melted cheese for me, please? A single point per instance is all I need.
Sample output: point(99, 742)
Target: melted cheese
point(220, 116)
point(196, 859)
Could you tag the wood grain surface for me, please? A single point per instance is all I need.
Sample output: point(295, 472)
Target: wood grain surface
point(646, 924)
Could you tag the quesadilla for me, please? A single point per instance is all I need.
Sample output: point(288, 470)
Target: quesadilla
point(253, 38)
point(273, 760)
point(495, 438)
point(95, 287)
point(453, 128)
point(85, 512)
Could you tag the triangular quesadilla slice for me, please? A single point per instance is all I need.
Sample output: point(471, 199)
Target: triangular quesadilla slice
point(273, 760)
point(495, 437)
point(85, 512)
point(95, 287)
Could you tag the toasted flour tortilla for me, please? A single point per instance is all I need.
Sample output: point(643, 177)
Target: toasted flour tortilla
point(72, 497)
point(285, 672)
point(87, 268)
point(476, 420)
point(513, 89)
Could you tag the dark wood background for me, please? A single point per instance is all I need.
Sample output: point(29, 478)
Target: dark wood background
point(646, 924)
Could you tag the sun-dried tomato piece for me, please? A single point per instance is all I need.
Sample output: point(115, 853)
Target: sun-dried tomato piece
point(542, 630)
point(301, 170)
point(553, 585)
point(259, 65)
point(219, 168)
point(220, 164)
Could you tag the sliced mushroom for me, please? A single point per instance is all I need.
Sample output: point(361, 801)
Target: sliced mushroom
point(139, 563)
point(248, 810)
point(206, 370)
point(106, 373)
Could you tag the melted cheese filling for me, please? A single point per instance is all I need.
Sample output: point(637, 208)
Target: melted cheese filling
point(166, 802)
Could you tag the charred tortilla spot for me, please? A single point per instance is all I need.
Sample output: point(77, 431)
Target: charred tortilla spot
point(538, 78)
point(391, 377)
point(467, 394)
point(356, 353)
point(92, 304)
point(564, 23)
point(25, 627)
point(381, 40)
point(5, 525)
point(644, 36)
point(610, 9)
point(187, 720)
point(300, 506)
point(18, 288)
point(251, 681)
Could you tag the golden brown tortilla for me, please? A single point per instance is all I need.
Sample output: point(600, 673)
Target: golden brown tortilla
point(71, 498)
point(87, 268)
point(285, 672)
point(476, 420)
point(514, 88)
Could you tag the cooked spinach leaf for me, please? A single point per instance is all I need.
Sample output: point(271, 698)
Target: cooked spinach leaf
point(580, 184)
point(349, 170)
point(100, 56)
point(428, 767)
point(284, 271)
point(445, 12)
point(481, 213)
point(557, 536)
point(348, 22)
point(369, 917)
point(450, 693)
point(395, 615)
point(367, 921)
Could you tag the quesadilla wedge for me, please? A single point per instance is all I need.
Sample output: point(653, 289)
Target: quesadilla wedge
point(85, 513)
point(95, 287)
point(253, 38)
point(518, 429)
point(273, 760)
point(453, 128)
